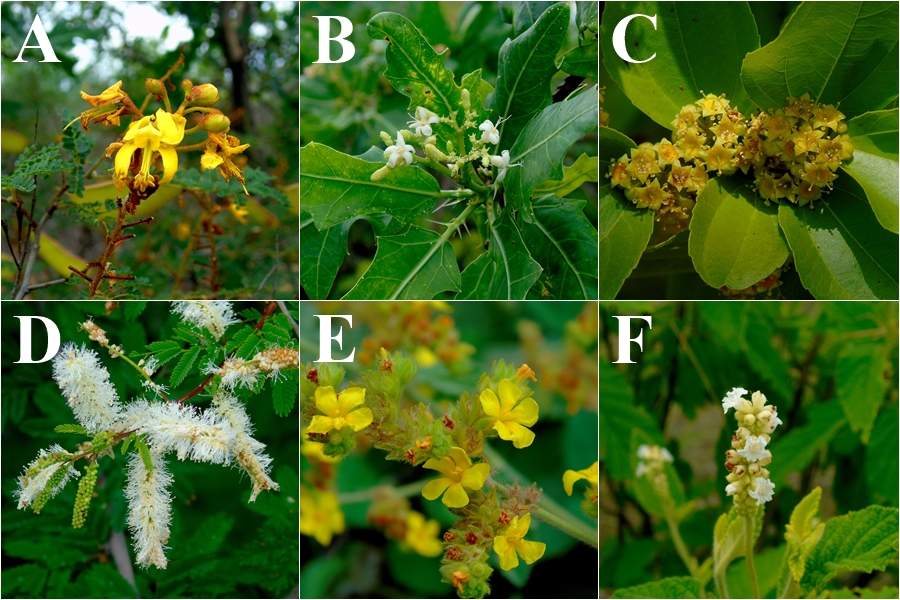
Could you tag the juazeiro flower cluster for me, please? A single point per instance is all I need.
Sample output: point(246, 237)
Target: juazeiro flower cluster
point(748, 480)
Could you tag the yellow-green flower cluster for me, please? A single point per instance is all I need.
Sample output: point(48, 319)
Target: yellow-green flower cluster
point(84, 495)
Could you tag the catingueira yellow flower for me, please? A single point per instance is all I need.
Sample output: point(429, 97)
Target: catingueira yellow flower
point(511, 543)
point(158, 133)
point(219, 151)
point(422, 535)
point(107, 106)
point(591, 474)
point(320, 515)
point(511, 417)
point(458, 473)
point(339, 410)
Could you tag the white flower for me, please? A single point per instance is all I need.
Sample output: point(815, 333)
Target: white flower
point(643, 452)
point(666, 455)
point(755, 449)
point(191, 434)
point(733, 398)
point(31, 487)
point(772, 423)
point(732, 488)
point(641, 469)
point(149, 367)
point(490, 135)
point(248, 451)
point(85, 384)
point(423, 121)
point(759, 401)
point(158, 389)
point(763, 491)
point(501, 161)
point(399, 152)
point(235, 372)
point(149, 508)
point(213, 315)
point(275, 360)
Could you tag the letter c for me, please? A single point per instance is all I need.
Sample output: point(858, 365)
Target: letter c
point(619, 38)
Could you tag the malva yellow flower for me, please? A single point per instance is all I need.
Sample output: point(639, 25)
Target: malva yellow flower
point(338, 409)
point(511, 417)
point(219, 150)
point(315, 450)
point(591, 474)
point(422, 535)
point(159, 133)
point(458, 473)
point(320, 515)
point(510, 543)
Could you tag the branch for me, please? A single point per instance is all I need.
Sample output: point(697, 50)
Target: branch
point(294, 324)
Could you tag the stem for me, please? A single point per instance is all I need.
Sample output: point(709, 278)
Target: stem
point(404, 491)
point(722, 585)
point(749, 527)
point(689, 561)
point(791, 588)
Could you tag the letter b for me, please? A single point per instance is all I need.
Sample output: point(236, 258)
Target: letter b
point(347, 48)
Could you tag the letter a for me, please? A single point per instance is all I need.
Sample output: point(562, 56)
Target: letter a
point(43, 42)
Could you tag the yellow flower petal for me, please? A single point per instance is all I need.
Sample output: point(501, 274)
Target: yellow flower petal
point(170, 163)
point(455, 496)
point(530, 551)
point(321, 424)
point(444, 465)
point(475, 477)
point(359, 419)
point(459, 456)
point(526, 412)
point(135, 127)
point(509, 394)
point(569, 479)
point(350, 399)
point(210, 160)
point(145, 137)
point(434, 488)
point(490, 403)
point(326, 400)
point(511, 431)
point(122, 164)
point(506, 553)
point(171, 127)
point(521, 525)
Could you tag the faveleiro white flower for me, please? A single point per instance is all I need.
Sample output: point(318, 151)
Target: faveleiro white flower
point(248, 451)
point(489, 132)
point(399, 154)
point(733, 398)
point(501, 161)
point(30, 487)
point(149, 508)
point(423, 121)
point(190, 433)
point(763, 491)
point(213, 315)
point(84, 383)
point(755, 449)
point(237, 372)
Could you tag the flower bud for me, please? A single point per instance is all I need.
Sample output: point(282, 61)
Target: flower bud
point(749, 420)
point(205, 94)
point(186, 85)
point(380, 173)
point(155, 86)
point(433, 152)
point(215, 123)
point(386, 138)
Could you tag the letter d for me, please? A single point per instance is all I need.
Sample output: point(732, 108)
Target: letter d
point(347, 48)
point(25, 339)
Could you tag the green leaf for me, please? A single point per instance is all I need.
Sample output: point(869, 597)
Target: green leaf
point(864, 541)
point(728, 541)
point(184, 365)
point(797, 448)
point(854, 64)
point(284, 393)
point(335, 187)
point(239, 338)
point(70, 429)
point(861, 382)
point(506, 272)
point(543, 144)
point(29, 579)
point(134, 309)
point(524, 69)
point(841, 251)
point(526, 15)
point(801, 535)
point(670, 587)
point(164, 350)
point(767, 562)
point(33, 162)
point(624, 233)
point(145, 453)
point(688, 59)
point(881, 464)
point(586, 168)
point(582, 60)
point(564, 243)
point(735, 240)
point(415, 265)
point(321, 254)
point(874, 163)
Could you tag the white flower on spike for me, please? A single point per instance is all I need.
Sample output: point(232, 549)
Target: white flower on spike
point(399, 154)
point(732, 488)
point(190, 433)
point(763, 491)
point(213, 315)
point(149, 508)
point(31, 487)
point(423, 121)
point(85, 384)
point(247, 450)
point(755, 449)
point(237, 372)
point(733, 398)
point(275, 360)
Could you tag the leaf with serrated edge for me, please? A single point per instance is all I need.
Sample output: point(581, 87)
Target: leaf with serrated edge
point(335, 187)
point(861, 383)
point(321, 255)
point(670, 587)
point(801, 536)
point(874, 164)
point(586, 168)
point(415, 265)
point(543, 145)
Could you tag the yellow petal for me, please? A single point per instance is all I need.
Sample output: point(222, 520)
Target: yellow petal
point(135, 126)
point(123, 162)
point(459, 456)
point(359, 419)
point(526, 412)
point(434, 488)
point(145, 137)
point(515, 433)
point(326, 400)
point(321, 424)
point(475, 477)
point(569, 479)
point(444, 465)
point(522, 525)
point(350, 399)
point(170, 164)
point(509, 394)
point(171, 127)
point(530, 551)
point(490, 403)
point(455, 496)
point(506, 553)
point(210, 160)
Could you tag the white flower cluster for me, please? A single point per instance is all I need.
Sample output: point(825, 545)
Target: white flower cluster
point(237, 372)
point(213, 315)
point(748, 458)
point(149, 508)
point(32, 485)
point(653, 467)
point(192, 434)
point(84, 382)
point(247, 451)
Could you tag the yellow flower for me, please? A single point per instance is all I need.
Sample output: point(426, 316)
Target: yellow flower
point(314, 449)
point(107, 106)
point(510, 421)
point(338, 409)
point(591, 474)
point(219, 150)
point(458, 473)
point(320, 515)
point(422, 535)
point(159, 133)
point(511, 543)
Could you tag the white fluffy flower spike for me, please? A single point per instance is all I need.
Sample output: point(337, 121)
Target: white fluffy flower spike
point(213, 315)
point(84, 382)
point(149, 508)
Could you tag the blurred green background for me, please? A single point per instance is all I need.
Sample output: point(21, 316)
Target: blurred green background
point(221, 546)
point(361, 563)
point(829, 367)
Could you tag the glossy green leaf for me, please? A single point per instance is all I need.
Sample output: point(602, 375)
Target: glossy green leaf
point(526, 14)
point(582, 60)
point(670, 587)
point(881, 463)
point(543, 145)
point(688, 58)
point(506, 271)
point(864, 540)
point(525, 67)
point(586, 168)
point(321, 254)
point(335, 187)
point(874, 165)
point(624, 233)
point(564, 243)
point(414, 265)
point(613, 145)
point(735, 239)
point(840, 250)
point(854, 63)
point(862, 384)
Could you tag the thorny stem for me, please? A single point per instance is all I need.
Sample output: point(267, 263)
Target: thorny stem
point(22, 288)
point(749, 528)
point(112, 242)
